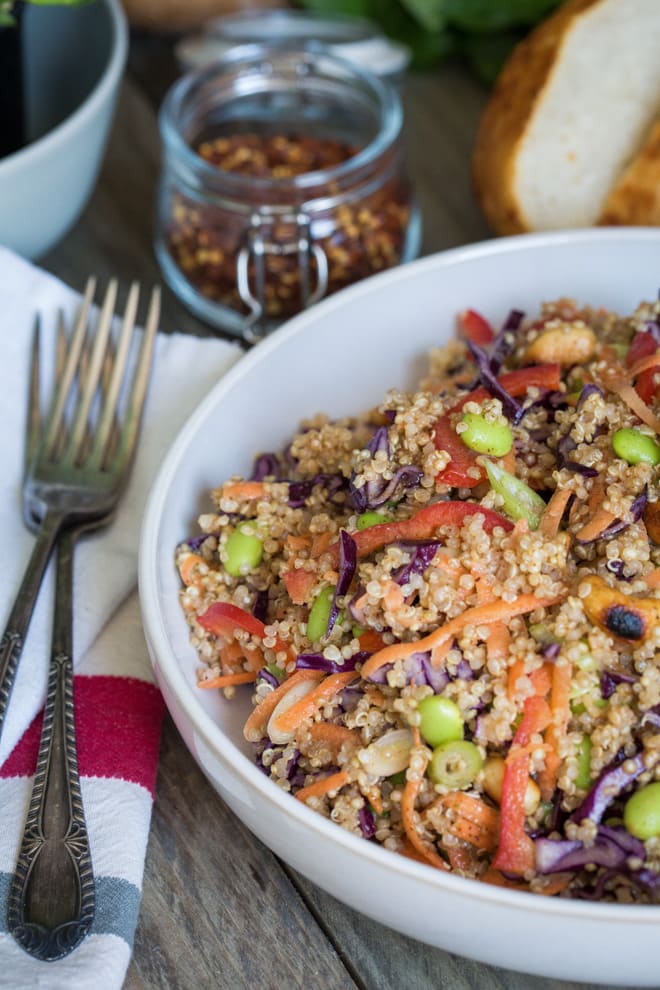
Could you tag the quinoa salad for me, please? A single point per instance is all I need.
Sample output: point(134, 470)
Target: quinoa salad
point(446, 608)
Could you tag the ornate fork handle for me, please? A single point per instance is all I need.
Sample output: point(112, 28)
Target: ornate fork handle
point(13, 638)
point(51, 898)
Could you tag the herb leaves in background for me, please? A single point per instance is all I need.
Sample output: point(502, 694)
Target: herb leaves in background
point(482, 31)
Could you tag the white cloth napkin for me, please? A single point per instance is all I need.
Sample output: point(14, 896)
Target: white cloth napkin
point(108, 640)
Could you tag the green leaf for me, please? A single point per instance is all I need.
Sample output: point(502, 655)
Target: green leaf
point(487, 53)
point(496, 15)
point(430, 14)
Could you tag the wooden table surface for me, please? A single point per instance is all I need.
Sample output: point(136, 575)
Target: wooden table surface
point(219, 909)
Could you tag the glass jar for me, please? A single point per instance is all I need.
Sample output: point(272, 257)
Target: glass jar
point(282, 181)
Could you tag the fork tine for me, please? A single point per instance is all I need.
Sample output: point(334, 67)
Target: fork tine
point(93, 374)
point(33, 428)
point(112, 392)
point(131, 425)
point(55, 419)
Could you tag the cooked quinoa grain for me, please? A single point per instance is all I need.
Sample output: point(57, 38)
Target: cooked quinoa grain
point(391, 563)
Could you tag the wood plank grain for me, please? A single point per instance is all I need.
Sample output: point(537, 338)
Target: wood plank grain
point(218, 910)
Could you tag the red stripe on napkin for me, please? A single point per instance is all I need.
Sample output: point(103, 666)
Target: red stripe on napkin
point(118, 722)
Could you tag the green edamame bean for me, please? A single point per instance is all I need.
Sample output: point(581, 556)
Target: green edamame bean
point(441, 720)
point(368, 519)
point(455, 764)
point(641, 815)
point(495, 439)
point(317, 623)
point(519, 501)
point(636, 447)
point(583, 775)
point(244, 551)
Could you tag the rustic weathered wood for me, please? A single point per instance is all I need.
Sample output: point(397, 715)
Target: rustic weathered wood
point(219, 910)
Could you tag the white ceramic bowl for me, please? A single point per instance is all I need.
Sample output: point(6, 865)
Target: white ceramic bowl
point(74, 59)
point(342, 356)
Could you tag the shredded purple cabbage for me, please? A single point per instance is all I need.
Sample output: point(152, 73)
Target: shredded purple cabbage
point(316, 661)
point(636, 510)
point(195, 542)
point(551, 651)
point(565, 447)
point(299, 491)
point(617, 567)
point(347, 566)
point(292, 765)
point(376, 493)
point(511, 408)
point(610, 679)
point(653, 328)
point(357, 613)
point(265, 675)
point(587, 392)
point(612, 848)
point(421, 555)
point(266, 466)
point(367, 822)
point(612, 782)
point(652, 717)
point(505, 340)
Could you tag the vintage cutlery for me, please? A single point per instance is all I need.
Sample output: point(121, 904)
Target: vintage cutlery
point(80, 460)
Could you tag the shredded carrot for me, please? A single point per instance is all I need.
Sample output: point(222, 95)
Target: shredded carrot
point(299, 584)
point(554, 885)
point(408, 850)
point(256, 723)
point(644, 364)
point(514, 674)
point(227, 680)
point(598, 523)
point(497, 879)
point(560, 699)
point(509, 461)
point(409, 815)
point(297, 542)
point(628, 395)
point(498, 611)
point(541, 679)
point(289, 720)
point(320, 787)
point(439, 653)
point(474, 821)
point(188, 565)
point(498, 642)
point(393, 597)
point(320, 543)
point(653, 579)
point(244, 490)
point(333, 735)
point(554, 511)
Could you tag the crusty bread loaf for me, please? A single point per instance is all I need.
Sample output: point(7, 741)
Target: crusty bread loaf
point(568, 114)
point(635, 199)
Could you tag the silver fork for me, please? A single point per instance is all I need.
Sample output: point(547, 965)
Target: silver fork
point(80, 465)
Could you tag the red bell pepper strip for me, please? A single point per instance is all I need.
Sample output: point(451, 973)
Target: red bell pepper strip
point(422, 526)
point(643, 345)
point(517, 383)
point(515, 852)
point(224, 619)
point(475, 327)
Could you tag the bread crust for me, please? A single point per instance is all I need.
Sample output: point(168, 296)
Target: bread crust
point(515, 96)
point(635, 199)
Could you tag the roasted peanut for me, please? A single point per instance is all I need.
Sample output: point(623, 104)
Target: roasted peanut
point(566, 344)
point(624, 616)
point(651, 519)
point(492, 776)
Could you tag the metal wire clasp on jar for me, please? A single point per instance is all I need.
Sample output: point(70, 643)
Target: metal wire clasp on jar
point(283, 181)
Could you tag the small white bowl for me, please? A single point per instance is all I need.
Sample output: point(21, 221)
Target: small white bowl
point(340, 357)
point(74, 60)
